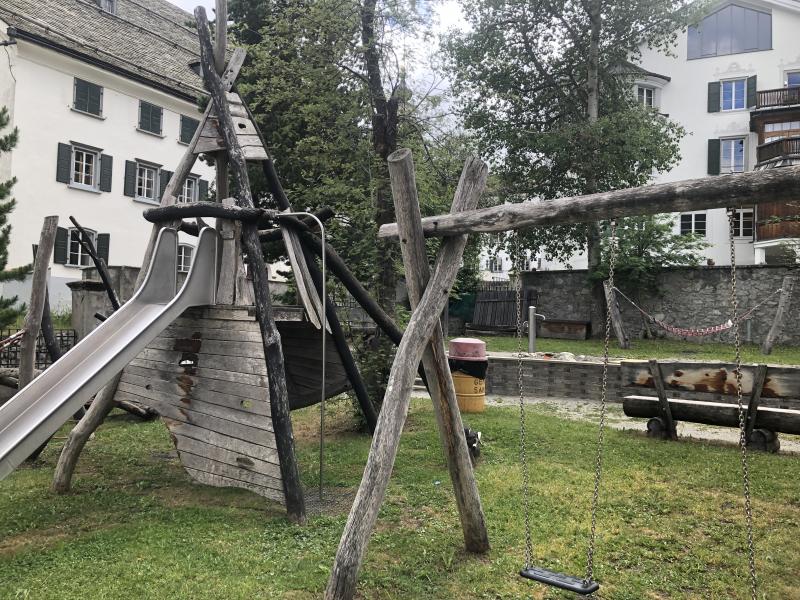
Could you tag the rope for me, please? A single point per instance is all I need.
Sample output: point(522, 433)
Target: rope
point(12, 339)
point(703, 331)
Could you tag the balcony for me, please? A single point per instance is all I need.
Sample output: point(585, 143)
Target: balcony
point(786, 148)
point(778, 221)
point(778, 98)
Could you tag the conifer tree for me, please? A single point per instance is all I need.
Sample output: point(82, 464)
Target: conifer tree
point(9, 310)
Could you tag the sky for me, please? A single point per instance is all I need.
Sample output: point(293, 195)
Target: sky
point(190, 5)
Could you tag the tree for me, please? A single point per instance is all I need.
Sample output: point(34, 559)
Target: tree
point(545, 85)
point(9, 311)
point(646, 246)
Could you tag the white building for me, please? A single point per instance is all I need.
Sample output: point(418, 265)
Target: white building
point(105, 99)
point(733, 82)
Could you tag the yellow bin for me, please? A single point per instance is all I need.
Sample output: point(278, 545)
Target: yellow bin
point(468, 355)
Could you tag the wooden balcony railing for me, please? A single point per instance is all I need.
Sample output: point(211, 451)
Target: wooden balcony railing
point(778, 220)
point(787, 96)
point(783, 148)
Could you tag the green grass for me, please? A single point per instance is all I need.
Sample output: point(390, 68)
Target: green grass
point(670, 522)
point(663, 348)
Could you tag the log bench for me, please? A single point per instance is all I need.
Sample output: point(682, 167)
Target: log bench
point(770, 397)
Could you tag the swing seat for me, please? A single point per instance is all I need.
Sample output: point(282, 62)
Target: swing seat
point(559, 580)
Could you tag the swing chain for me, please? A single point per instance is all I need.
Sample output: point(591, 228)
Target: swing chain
point(522, 441)
point(598, 468)
point(742, 418)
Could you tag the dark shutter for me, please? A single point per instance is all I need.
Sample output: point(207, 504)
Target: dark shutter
point(188, 127)
point(155, 120)
point(144, 115)
point(149, 117)
point(713, 96)
point(202, 195)
point(95, 99)
point(130, 179)
point(103, 243)
point(713, 156)
point(62, 246)
point(752, 91)
point(64, 164)
point(106, 168)
point(165, 177)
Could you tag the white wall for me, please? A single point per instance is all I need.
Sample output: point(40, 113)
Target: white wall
point(43, 100)
point(685, 100)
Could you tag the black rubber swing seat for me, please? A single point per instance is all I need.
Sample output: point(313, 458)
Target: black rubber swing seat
point(559, 580)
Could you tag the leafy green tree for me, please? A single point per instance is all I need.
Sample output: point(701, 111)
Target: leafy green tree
point(9, 311)
point(646, 246)
point(546, 88)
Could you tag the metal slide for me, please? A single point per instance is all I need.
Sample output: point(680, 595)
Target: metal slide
point(39, 409)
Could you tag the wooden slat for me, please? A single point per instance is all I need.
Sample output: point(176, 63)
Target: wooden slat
point(212, 347)
point(202, 463)
point(188, 430)
point(219, 481)
point(236, 389)
point(236, 364)
point(255, 153)
point(172, 367)
point(244, 126)
point(219, 333)
point(235, 459)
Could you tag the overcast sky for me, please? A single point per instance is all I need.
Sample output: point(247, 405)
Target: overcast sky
point(190, 5)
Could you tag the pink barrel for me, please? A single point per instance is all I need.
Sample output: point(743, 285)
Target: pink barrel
point(470, 349)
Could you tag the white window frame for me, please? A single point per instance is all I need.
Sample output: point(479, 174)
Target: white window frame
point(694, 216)
point(94, 184)
point(144, 166)
point(494, 264)
point(195, 181)
point(642, 92)
point(182, 266)
point(743, 99)
point(732, 142)
point(83, 258)
point(791, 72)
point(738, 223)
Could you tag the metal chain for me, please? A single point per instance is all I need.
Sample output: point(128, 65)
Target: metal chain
point(523, 455)
point(751, 548)
point(598, 463)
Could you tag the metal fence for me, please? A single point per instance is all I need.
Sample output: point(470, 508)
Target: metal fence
point(9, 357)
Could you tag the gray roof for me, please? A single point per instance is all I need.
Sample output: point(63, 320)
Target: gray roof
point(152, 41)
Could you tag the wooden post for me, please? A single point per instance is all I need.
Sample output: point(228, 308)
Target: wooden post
point(666, 411)
point(33, 318)
point(778, 324)
point(434, 359)
point(616, 317)
point(99, 264)
point(273, 352)
point(364, 512)
point(759, 378)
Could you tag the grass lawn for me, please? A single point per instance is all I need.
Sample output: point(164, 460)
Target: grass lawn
point(664, 348)
point(670, 523)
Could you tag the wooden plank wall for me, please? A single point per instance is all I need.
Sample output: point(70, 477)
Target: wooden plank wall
point(207, 378)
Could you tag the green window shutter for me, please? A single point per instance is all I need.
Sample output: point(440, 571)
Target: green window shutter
point(713, 96)
point(64, 163)
point(106, 168)
point(144, 115)
point(130, 179)
point(95, 100)
point(103, 244)
point(165, 177)
point(713, 156)
point(202, 194)
point(155, 120)
point(752, 91)
point(61, 248)
point(188, 127)
point(81, 100)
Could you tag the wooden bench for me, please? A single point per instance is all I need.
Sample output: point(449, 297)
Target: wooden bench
point(770, 396)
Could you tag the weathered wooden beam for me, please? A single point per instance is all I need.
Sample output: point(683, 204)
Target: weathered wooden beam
point(616, 317)
point(759, 379)
point(785, 302)
point(434, 358)
point(383, 451)
point(217, 210)
point(308, 224)
point(278, 394)
point(99, 264)
point(663, 401)
point(743, 189)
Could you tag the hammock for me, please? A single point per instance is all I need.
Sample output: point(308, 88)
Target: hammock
point(699, 332)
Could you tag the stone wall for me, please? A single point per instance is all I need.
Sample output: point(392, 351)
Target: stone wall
point(690, 297)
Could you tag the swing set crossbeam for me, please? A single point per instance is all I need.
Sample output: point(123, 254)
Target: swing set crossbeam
point(570, 583)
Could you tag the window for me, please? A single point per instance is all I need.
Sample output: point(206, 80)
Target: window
point(87, 97)
point(743, 223)
point(76, 257)
point(693, 223)
point(731, 30)
point(146, 178)
point(185, 255)
point(110, 6)
point(150, 117)
point(189, 190)
point(777, 131)
point(645, 96)
point(793, 79)
point(733, 94)
point(188, 127)
point(84, 168)
point(731, 156)
point(494, 264)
